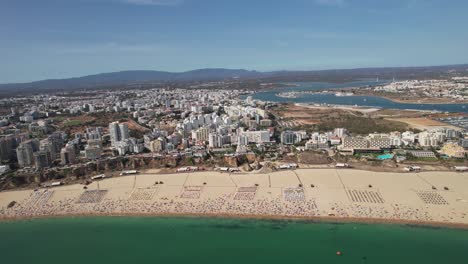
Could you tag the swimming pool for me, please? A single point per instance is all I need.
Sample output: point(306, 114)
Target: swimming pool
point(385, 156)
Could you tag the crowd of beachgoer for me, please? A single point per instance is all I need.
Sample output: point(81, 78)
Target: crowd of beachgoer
point(392, 212)
point(96, 202)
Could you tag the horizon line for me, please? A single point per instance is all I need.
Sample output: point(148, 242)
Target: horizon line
point(241, 69)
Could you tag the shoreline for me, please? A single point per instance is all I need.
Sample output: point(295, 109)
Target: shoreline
point(317, 195)
point(357, 92)
point(311, 219)
point(425, 101)
point(395, 100)
point(363, 108)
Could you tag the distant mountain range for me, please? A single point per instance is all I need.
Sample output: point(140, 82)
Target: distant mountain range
point(126, 77)
point(131, 77)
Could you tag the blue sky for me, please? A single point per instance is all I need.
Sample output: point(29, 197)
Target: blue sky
point(42, 39)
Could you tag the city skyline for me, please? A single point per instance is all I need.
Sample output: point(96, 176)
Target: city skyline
point(62, 39)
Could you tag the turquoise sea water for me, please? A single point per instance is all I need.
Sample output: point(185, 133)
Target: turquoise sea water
point(199, 240)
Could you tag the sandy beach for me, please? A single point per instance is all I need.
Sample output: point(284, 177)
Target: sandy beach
point(323, 194)
point(427, 100)
point(362, 109)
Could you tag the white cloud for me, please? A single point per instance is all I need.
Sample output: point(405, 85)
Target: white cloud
point(155, 2)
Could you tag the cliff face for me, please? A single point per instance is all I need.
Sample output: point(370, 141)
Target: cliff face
point(236, 161)
point(82, 171)
point(251, 157)
point(231, 161)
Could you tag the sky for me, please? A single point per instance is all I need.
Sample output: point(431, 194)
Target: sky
point(43, 39)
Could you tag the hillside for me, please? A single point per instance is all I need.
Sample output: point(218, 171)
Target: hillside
point(142, 76)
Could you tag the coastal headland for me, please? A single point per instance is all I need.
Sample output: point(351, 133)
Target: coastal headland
point(426, 198)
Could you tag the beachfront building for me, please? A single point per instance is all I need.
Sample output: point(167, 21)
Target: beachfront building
point(67, 155)
point(453, 150)
point(94, 133)
point(53, 144)
point(464, 142)
point(288, 137)
point(157, 145)
point(25, 151)
point(431, 138)
point(408, 138)
point(262, 136)
point(41, 159)
point(215, 140)
point(93, 152)
point(340, 132)
point(266, 122)
point(118, 132)
point(201, 134)
point(7, 146)
point(312, 145)
point(380, 143)
point(355, 143)
point(422, 154)
point(24, 154)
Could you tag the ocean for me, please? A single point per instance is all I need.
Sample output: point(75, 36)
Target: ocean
point(211, 240)
point(369, 101)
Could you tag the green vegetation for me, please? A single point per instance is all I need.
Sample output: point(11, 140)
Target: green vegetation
point(361, 125)
point(73, 123)
point(190, 161)
point(410, 157)
point(59, 118)
point(301, 144)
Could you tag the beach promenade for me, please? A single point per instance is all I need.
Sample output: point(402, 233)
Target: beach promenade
point(428, 198)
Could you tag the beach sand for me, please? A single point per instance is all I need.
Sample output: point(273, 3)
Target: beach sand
point(423, 123)
point(338, 195)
